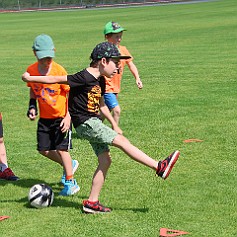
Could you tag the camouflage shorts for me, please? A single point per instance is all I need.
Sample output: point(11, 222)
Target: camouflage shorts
point(98, 134)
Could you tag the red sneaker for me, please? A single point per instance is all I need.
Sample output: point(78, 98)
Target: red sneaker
point(8, 174)
point(94, 207)
point(165, 166)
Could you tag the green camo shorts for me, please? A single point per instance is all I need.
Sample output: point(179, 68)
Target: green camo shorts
point(98, 134)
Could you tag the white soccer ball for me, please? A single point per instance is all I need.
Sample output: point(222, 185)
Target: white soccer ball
point(40, 196)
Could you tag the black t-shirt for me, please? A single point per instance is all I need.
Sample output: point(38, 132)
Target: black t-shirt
point(84, 96)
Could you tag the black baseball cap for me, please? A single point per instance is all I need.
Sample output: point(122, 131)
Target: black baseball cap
point(107, 50)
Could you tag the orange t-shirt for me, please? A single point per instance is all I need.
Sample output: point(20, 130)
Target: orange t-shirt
point(52, 98)
point(113, 84)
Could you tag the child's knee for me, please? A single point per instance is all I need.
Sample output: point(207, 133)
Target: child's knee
point(105, 159)
point(44, 153)
point(62, 152)
point(120, 141)
point(108, 162)
point(117, 110)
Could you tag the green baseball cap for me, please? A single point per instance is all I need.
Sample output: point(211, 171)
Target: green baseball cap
point(43, 46)
point(107, 50)
point(112, 27)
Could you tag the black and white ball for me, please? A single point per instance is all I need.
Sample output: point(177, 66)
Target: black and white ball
point(40, 196)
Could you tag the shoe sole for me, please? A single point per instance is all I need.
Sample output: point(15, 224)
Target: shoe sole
point(13, 178)
point(76, 190)
point(72, 193)
point(10, 179)
point(174, 158)
point(91, 211)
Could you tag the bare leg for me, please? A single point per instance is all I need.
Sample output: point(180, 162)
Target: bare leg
point(104, 160)
point(116, 113)
point(6, 172)
point(52, 155)
point(67, 162)
point(3, 154)
point(102, 117)
point(123, 143)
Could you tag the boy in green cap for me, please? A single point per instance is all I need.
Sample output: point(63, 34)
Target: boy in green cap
point(54, 124)
point(113, 33)
point(86, 101)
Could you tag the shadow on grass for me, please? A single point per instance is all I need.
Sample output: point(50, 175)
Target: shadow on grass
point(28, 183)
point(59, 201)
point(136, 210)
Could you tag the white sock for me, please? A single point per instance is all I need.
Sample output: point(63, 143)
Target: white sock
point(3, 167)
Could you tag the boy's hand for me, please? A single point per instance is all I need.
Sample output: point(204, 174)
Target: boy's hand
point(117, 129)
point(32, 110)
point(31, 114)
point(25, 77)
point(139, 84)
point(65, 124)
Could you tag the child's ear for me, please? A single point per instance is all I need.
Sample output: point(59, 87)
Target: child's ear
point(103, 61)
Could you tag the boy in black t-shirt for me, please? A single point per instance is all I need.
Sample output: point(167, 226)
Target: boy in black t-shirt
point(87, 88)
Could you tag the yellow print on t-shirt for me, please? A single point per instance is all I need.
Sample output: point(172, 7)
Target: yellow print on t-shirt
point(94, 99)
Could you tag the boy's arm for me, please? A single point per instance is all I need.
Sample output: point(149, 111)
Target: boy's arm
point(105, 111)
point(32, 110)
point(132, 67)
point(44, 79)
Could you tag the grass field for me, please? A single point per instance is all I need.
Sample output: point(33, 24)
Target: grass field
point(186, 55)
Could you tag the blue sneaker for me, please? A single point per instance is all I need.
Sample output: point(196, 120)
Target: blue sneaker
point(70, 188)
point(75, 165)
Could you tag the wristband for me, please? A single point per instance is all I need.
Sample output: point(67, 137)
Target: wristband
point(32, 105)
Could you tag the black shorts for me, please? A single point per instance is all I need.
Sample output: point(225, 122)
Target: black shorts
point(1, 127)
point(50, 136)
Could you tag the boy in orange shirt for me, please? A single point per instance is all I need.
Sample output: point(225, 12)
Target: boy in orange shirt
point(54, 124)
point(5, 172)
point(113, 33)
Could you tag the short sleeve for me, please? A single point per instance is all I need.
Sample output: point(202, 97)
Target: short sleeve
point(76, 79)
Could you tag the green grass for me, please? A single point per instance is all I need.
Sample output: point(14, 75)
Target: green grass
point(186, 56)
